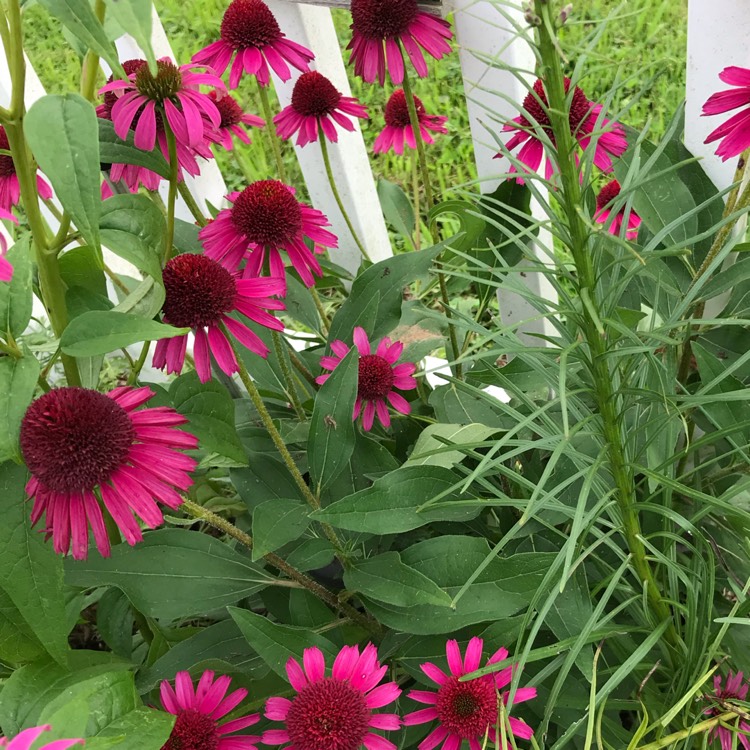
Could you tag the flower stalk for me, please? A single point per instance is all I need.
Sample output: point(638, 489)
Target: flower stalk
point(291, 389)
point(268, 117)
point(174, 173)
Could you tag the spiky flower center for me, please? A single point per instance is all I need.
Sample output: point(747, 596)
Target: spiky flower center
point(580, 107)
point(328, 715)
point(73, 439)
point(467, 708)
point(375, 377)
point(164, 85)
point(397, 112)
point(198, 291)
point(267, 213)
point(229, 110)
point(249, 23)
point(314, 95)
point(193, 731)
point(382, 19)
point(607, 194)
point(7, 167)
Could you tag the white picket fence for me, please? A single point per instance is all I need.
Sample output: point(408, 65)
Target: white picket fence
point(486, 32)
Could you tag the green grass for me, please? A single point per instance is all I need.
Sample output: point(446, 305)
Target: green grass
point(642, 48)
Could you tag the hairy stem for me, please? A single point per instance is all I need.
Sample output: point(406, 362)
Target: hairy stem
point(291, 390)
point(272, 137)
point(174, 171)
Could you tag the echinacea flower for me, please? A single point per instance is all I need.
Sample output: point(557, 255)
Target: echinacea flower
point(379, 375)
point(604, 201)
point(173, 91)
point(336, 712)
point(198, 711)
point(381, 27)
point(265, 218)
point(10, 189)
point(200, 294)
point(82, 446)
point(733, 690)
point(584, 118)
point(398, 129)
point(6, 269)
point(232, 120)
point(316, 105)
point(467, 710)
point(26, 739)
point(734, 134)
point(251, 33)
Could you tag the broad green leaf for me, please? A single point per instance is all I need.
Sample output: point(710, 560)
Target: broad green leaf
point(30, 571)
point(144, 300)
point(436, 437)
point(299, 304)
point(113, 150)
point(141, 729)
point(276, 643)
point(397, 208)
point(393, 504)
point(453, 405)
point(18, 378)
point(134, 16)
point(101, 332)
point(263, 480)
point(173, 573)
point(16, 296)
point(80, 267)
point(133, 227)
point(114, 622)
point(332, 430)
point(18, 644)
point(310, 554)
point(386, 579)
point(307, 611)
point(71, 158)
point(276, 523)
point(210, 412)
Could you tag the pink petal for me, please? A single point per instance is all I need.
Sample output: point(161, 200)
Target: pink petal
point(314, 664)
point(361, 341)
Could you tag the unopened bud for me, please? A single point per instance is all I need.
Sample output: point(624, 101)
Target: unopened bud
point(532, 18)
point(565, 13)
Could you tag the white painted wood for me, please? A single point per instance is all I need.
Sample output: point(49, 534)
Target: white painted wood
point(313, 27)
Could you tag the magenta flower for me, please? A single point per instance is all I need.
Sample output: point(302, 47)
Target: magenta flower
point(26, 739)
point(381, 27)
point(199, 710)
point(379, 375)
point(734, 134)
point(316, 105)
point(584, 120)
point(604, 213)
point(336, 712)
point(398, 130)
point(6, 269)
point(232, 120)
point(81, 445)
point(251, 34)
point(200, 294)
point(734, 689)
point(265, 218)
point(467, 710)
point(175, 92)
point(10, 190)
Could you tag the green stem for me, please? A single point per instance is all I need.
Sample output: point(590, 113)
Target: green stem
point(138, 366)
point(604, 393)
point(275, 145)
point(190, 202)
point(90, 67)
point(301, 368)
point(325, 323)
point(337, 195)
point(291, 390)
point(415, 192)
point(174, 168)
point(671, 740)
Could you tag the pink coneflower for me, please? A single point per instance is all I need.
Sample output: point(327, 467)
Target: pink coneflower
point(336, 712)
point(604, 212)
point(232, 120)
point(734, 134)
point(467, 710)
point(81, 445)
point(175, 91)
point(265, 218)
point(733, 690)
point(200, 294)
point(6, 269)
point(316, 105)
point(584, 118)
point(26, 739)
point(10, 190)
point(198, 712)
point(398, 130)
point(250, 32)
point(381, 27)
point(379, 375)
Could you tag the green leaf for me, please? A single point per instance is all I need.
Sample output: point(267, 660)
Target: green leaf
point(134, 16)
point(436, 437)
point(16, 296)
point(386, 579)
point(18, 644)
point(30, 571)
point(173, 573)
point(276, 643)
point(299, 304)
point(396, 207)
point(17, 385)
point(453, 405)
point(332, 430)
point(264, 480)
point(101, 332)
point(71, 158)
point(392, 504)
point(276, 523)
point(113, 150)
point(133, 227)
point(210, 412)
point(144, 301)
point(80, 267)
point(141, 729)
point(114, 622)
